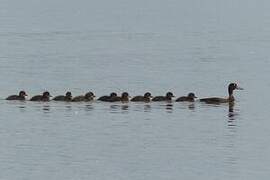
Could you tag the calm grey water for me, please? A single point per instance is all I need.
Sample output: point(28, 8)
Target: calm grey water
point(135, 46)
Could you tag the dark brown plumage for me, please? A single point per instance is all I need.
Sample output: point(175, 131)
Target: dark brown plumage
point(190, 98)
point(20, 97)
point(67, 97)
point(87, 97)
point(146, 98)
point(107, 98)
point(124, 98)
point(216, 100)
point(44, 97)
point(168, 97)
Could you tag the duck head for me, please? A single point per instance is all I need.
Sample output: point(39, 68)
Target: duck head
point(169, 95)
point(148, 95)
point(22, 94)
point(113, 94)
point(89, 95)
point(68, 94)
point(232, 87)
point(191, 95)
point(125, 95)
point(46, 94)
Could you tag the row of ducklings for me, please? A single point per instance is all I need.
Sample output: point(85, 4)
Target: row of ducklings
point(113, 97)
point(147, 97)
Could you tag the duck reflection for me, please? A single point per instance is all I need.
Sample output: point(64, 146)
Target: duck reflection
point(147, 108)
point(116, 108)
point(169, 108)
point(231, 113)
point(46, 108)
point(89, 107)
point(191, 106)
point(68, 108)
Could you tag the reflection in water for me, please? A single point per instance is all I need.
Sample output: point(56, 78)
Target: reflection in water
point(89, 107)
point(169, 108)
point(22, 108)
point(68, 108)
point(124, 107)
point(116, 108)
point(231, 114)
point(46, 108)
point(191, 106)
point(231, 159)
point(147, 108)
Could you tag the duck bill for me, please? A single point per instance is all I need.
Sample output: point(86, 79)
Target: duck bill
point(239, 88)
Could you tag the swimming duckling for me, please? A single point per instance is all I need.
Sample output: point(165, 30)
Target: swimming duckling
point(190, 98)
point(44, 97)
point(168, 97)
point(107, 98)
point(20, 97)
point(124, 98)
point(216, 100)
point(67, 97)
point(87, 97)
point(146, 98)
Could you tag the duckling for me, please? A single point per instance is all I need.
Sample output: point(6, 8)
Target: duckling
point(87, 97)
point(168, 97)
point(190, 98)
point(146, 98)
point(44, 97)
point(67, 97)
point(107, 98)
point(20, 97)
point(124, 98)
point(216, 100)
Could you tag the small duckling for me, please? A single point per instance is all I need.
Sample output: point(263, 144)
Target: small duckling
point(44, 97)
point(190, 98)
point(146, 98)
point(124, 98)
point(168, 97)
point(67, 97)
point(107, 98)
point(20, 97)
point(87, 97)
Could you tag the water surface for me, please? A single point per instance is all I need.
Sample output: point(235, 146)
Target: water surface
point(134, 46)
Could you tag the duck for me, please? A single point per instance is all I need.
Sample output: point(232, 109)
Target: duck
point(20, 97)
point(44, 97)
point(145, 98)
point(107, 98)
point(167, 97)
point(87, 97)
point(124, 98)
point(190, 98)
point(217, 100)
point(67, 97)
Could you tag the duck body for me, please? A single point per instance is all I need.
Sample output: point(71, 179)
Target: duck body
point(107, 98)
point(87, 97)
point(20, 97)
point(189, 98)
point(124, 98)
point(168, 97)
point(44, 97)
point(146, 98)
point(67, 97)
point(217, 100)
